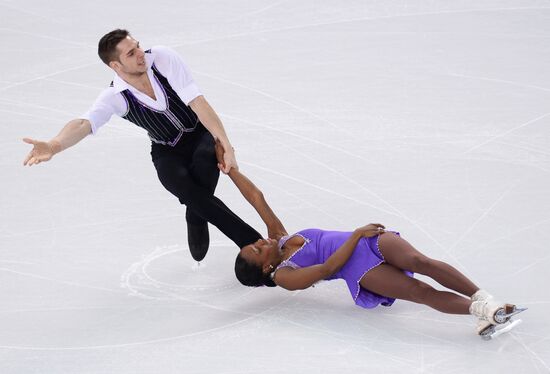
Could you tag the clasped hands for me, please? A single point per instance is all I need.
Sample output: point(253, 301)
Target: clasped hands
point(226, 158)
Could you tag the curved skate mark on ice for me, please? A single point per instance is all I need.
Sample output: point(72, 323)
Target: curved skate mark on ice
point(500, 81)
point(137, 273)
point(141, 284)
point(507, 132)
point(31, 275)
point(300, 109)
point(351, 20)
point(251, 316)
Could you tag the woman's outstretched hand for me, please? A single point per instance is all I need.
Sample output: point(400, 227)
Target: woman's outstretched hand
point(370, 230)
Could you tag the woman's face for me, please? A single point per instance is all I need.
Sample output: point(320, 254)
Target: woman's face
point(262, 252)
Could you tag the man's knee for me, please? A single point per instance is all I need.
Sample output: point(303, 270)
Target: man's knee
point(175, 180)
point(205, 158)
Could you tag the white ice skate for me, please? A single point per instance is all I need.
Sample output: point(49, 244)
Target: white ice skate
point(495, 318)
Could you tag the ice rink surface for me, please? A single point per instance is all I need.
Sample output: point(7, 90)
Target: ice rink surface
point(432, 117)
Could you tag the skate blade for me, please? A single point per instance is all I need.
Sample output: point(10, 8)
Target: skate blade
point(495, 330)
point(514, 311)
point(504, 315)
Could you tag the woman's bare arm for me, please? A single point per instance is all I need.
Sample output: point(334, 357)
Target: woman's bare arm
point(254, 196)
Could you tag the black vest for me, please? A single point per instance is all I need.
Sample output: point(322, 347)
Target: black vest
point(164, 126)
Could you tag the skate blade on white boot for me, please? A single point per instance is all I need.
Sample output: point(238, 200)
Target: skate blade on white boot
point(503, 315)
point(492, 331)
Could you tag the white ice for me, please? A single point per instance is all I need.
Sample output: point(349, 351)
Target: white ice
point(432, 117)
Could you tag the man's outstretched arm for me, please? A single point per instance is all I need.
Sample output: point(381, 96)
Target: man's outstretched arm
point(212, 122)
point(73, 132)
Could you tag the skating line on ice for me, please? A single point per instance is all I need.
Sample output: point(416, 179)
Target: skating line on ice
point(529, 350)
point(311, 205)
point(31, 275)
point(48, 75)
point(258, 11)
point(351, 20)
point(483, 215)
point(160, 340)
point(500, 81)
point(304, 138)
point(288, 103)
point(41, 117)
point(507, 132)
point(510, 234)
point(350, 340)
point(527, 267)
point(92, 224)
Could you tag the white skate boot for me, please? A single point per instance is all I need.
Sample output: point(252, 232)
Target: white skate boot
point(482, 324)
point(481, 295)
point(495, 318)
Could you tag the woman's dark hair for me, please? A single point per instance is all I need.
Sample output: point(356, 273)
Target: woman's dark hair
point(106, 48)
point(251, 275)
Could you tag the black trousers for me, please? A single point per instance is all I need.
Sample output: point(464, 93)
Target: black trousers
point(189, 171)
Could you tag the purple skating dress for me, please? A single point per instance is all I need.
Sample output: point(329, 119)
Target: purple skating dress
point(320, 244)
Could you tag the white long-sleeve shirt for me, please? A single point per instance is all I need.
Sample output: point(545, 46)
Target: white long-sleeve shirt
point(110, 101)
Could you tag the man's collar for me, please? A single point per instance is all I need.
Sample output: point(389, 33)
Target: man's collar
point(120, 84)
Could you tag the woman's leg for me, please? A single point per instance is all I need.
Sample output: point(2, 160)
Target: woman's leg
point(399, 253)
point(389, 281)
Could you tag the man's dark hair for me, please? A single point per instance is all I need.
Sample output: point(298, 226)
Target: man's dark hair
point(106, 48)
point(251, 275)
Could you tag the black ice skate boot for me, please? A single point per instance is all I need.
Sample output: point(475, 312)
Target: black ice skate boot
point(198, 239)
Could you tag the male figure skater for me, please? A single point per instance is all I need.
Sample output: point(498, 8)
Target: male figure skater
point(154, 89)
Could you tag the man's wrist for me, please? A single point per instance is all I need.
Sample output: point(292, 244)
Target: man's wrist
point(55, 146)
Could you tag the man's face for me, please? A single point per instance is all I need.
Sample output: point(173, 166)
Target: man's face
point(131, 58)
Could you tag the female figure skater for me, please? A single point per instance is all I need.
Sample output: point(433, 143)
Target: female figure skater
point(376, 264)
